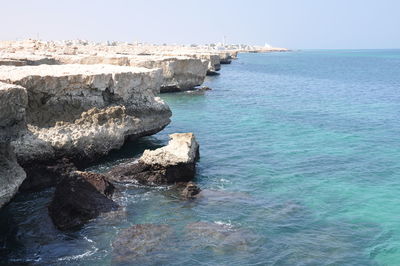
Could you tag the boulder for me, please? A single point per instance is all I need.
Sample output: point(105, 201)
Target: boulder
point(79, 197)
point(13, 102)
point(139, 243)
point(175, 162)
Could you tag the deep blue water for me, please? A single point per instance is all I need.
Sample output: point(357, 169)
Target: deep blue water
point(300, 154)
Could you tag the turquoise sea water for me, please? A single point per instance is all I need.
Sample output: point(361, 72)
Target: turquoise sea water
point(300, 152)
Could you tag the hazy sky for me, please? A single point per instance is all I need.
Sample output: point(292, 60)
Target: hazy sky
point(284, 23)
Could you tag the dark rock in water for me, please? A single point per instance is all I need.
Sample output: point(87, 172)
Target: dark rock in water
point(170, 164)
point(79, 197)
point(140, 242)
point(46, 174)
point(190, 190)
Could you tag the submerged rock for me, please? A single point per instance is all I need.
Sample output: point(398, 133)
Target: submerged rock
point(79, 197)
point(220, 237)
point(173, 163)
point(140, 242)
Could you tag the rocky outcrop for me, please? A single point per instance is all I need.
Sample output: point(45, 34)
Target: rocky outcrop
point(79, 197)
point(225, 58)
point(213, 61)
point(170, 164)
point(84, 111)
point(135, 244)
point(13, 101)
point(179, 73)
point(11, 174)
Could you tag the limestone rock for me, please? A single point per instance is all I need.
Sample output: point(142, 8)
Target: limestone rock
point(173, 163)
point(179, 73)
point(84, 111)
point(63, 92)
point(25, 59)
point(11, 174)
point(225, 58)
point(13, 101)
point(79, 197)
point(181, 149)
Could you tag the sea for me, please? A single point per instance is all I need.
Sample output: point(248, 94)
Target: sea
point(300, 165)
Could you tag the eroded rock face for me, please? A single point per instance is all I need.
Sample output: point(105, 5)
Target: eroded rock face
point(63, 92)
point(11, 174)
point(13, 101)
point(179, 73)
point(79, 197)
point(139, 242)
point(173, 163)
point(84, 111)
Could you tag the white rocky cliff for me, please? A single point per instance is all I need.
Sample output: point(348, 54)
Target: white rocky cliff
point(63, 104)
point(84, 111)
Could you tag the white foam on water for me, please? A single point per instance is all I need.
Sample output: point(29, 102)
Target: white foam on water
point(83, 255)
point(226, 224)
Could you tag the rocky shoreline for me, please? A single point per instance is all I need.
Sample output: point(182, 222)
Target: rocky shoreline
point(65, 104)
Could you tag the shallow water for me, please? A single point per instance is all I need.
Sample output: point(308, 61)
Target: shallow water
point(300, 153)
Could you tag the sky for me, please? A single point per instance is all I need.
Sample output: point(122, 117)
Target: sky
point(295, 24)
